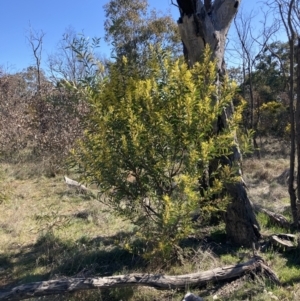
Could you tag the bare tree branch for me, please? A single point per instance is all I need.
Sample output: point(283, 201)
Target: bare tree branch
point(35, 40)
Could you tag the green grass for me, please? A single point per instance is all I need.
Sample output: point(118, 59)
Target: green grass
point(268, 226)
point(48, 231)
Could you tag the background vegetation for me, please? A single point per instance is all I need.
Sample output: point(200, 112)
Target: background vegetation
point(140, 129)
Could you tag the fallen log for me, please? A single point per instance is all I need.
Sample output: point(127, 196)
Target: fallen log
point(161, 282)
point(276, 218)
point(286, 241)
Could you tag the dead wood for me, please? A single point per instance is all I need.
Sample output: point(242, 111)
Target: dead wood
point(286, 241)
point(74, 184)
point(276, 218)
point(162, 282)
point(284, 177)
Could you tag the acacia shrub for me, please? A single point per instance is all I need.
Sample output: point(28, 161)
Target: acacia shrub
point(149, 140)
point(274, 120)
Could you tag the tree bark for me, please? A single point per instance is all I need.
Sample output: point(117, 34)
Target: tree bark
point(291, 35)
point(297, 118)
point(162, 282)
point(204, 24)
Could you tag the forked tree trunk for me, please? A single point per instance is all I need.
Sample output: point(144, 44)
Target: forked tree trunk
point(204, 24)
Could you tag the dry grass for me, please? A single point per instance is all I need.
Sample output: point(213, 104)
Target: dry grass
point(266, 182)
point(47, 230)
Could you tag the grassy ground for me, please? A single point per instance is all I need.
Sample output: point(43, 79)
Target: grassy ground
point(48, 230)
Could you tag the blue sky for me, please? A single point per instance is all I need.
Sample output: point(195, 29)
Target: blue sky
point(53, 17)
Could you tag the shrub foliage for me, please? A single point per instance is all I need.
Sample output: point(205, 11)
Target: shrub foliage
point(149, 140)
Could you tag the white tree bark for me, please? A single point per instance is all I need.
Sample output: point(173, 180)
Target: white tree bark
point(210, 28)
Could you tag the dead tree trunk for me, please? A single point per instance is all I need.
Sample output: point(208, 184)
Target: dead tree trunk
point(161, 282)
point(204, 24)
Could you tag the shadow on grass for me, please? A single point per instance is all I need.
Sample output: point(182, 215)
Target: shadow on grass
point(76, 194)
point(51, 258)
point(290, 270)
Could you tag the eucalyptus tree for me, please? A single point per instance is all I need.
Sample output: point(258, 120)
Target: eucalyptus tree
point(272, 70)
point(130, 27)
point(203, 23)
point(270, 83)
point(251, 43)
point(289, 15)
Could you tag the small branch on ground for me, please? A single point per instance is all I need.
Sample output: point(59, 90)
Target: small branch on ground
point(71, 183)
